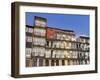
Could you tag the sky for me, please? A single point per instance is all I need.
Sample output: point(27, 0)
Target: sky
point(78, 23)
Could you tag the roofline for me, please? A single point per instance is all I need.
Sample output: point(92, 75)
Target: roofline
point(60, 29)
point(29, 26)
point(52, 28)
point(86, 37)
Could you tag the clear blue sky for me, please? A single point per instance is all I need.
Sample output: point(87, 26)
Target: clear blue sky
point(77, 23)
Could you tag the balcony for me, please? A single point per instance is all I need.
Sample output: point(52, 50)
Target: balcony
point(39, 41)
point(37, 51)
point(28, 39)
point(65, 37)
point(28, 52)
point(48, 53)
point(39, 32)
point(40, 23)
point(29, 30)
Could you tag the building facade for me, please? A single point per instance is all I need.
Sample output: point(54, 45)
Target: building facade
point(47, 46)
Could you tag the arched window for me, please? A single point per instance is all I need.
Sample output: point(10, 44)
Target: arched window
point(52, 62)
point(47, 62)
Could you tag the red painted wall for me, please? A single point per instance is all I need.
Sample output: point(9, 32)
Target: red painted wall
point(50, 33)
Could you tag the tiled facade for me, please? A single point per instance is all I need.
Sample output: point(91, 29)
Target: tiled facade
point(46, 46)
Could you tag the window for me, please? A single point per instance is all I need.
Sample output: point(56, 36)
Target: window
point(39, 32)
point(68, 56)
point(43, 24)
point(39, 41)
point(30, 30)
point(83, 55)
point(63, 62)
point(72, 45)
point(28, 62)
point(86, 55)
point(73, 38)
point(61, 53)
point(28, 52)
point(87, 47)
point(34, 61)
point(52, 62)
point(37, 22)
point(47, 62)
point(38, 51)
point(35, 52)
point(54, 44)
point(47, 43)
point(40, 61)
point(54, 54)
point(82, 46)
point(40, 23)
point(76, 56)
point(58, 36)
point(41, 51)
point(67, 37)
point(48, 53)
point(61, 44)
point(57, 62)
point(57, 54)
point(28, 39)
point(63, 36)
point(65, 44)
point(26, 29)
